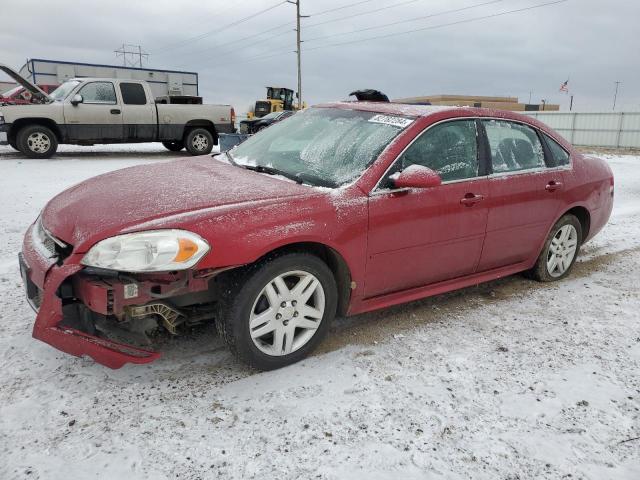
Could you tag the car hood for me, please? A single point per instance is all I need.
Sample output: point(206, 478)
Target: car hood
point(125, 199)
point(34, 89)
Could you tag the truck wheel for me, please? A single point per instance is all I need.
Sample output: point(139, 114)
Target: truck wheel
point(173, 146)
point(36, 141)
point(277, 311)
point(199, 141)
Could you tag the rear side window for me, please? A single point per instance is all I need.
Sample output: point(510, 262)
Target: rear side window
point(559, 156)
point(514, 147)
point(133, 94)
point(98, 92)
point(450, 149)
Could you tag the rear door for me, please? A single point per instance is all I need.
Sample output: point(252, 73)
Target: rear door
point(138, 113)
point(422, 236)
point(525, 195)
point(98, 118)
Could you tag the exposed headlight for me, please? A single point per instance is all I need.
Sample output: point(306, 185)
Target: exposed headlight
point(151, 251)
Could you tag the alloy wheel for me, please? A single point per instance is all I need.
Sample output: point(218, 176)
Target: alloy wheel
point(39, 142)
point(287, 313)
point(562, 250)
point(200, 142)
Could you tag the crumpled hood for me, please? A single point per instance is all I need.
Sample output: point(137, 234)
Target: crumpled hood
point(108, 204)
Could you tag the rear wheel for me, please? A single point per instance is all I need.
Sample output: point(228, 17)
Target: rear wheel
point(199, 141)
point(278, 311)
point(37, 141)
point(173, 146)
point(560, 250)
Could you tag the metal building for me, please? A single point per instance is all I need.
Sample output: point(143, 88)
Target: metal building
point(162, 82)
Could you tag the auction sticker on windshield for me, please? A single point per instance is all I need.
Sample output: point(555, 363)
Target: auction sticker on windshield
point(392, 120)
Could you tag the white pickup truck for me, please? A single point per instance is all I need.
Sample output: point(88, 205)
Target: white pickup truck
point(87, 111)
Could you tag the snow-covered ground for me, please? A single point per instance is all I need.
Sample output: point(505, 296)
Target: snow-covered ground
point(510, 380)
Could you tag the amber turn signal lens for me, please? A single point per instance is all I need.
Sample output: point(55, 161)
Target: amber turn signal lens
point(186, 250)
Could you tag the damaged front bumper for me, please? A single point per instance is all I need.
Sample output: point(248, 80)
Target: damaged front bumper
point(56, 287)
point(42, 282)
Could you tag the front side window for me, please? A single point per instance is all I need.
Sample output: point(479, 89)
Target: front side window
point(322, 146)
point(514, 147)
point(98, 92)
point(450, 149)
point(559, 155)
point(133, 94)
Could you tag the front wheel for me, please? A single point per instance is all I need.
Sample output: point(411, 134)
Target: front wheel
point(173, 146)
point(36, 141)
point(560, 250)
point(199, 141)
point(275, 313)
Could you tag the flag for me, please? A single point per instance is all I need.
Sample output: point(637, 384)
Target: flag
point(565, 87)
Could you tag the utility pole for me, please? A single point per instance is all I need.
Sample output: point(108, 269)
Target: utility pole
point(298, 49)
point(544, 103)
point(615, 95)
point(530, 97)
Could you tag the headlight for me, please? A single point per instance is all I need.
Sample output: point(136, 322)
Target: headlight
point(151, 251)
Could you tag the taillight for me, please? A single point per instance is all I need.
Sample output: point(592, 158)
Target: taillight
point(233, 116)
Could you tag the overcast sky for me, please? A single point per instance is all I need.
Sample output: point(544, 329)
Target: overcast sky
point(592, 42)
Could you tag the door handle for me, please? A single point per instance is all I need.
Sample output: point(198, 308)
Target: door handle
point(552, 186)
point(115, 111)
point(470, 199)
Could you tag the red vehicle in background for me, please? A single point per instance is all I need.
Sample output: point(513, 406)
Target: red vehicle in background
point(339, 209)
point(21, 96)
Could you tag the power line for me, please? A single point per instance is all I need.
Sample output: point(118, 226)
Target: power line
point(433, 27)
point(414, 19)
point(279, 34)
point(219, 29)
point(226, 54)
point(368, 12)
point(317, 14)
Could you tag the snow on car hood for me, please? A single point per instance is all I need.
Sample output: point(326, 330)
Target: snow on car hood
point(121, 200)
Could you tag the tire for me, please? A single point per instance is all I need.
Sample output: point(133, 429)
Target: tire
point(37, 141)
point(199, 141)
point(563, 242)
point(173, 146)
point(288, 333)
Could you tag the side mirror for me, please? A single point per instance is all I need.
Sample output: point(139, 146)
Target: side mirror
point(77, 98)
point(416, 176)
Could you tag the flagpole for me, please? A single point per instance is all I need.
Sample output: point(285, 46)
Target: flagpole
point(571, 103)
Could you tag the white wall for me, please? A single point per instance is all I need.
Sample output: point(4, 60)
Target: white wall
point(595, 129)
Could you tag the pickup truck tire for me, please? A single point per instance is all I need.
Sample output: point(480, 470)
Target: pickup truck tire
point(199, 141)
point(173, 146)
point(37, 141)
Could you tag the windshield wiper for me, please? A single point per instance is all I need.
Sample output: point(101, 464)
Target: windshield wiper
point(271, 171)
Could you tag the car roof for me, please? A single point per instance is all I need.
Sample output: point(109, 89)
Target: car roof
point(410, 110)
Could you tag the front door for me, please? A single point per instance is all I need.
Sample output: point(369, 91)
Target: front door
point(422, 236)
point(525, 195)
point(97, 118)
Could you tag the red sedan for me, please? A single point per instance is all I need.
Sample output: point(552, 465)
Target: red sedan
point(340, 209)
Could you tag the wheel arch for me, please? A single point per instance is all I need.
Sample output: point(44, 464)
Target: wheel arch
point(20, 123)
point(334, 260)
point(584, 217)
point(201, 123)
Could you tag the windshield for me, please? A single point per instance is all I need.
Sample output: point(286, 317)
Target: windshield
point(333, 146)
point(63, 90)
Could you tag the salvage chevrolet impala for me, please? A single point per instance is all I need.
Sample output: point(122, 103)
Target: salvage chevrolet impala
point(341, 209)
